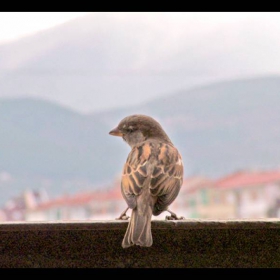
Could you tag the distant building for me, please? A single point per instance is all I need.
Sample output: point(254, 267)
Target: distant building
point(244, 194)
point(255, 194)
point(198, 199)
point(15, 208)
point(95, 205)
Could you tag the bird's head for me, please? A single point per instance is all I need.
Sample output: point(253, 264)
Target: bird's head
point(135, 129)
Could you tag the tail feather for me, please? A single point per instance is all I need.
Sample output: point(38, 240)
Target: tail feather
point(139, 230)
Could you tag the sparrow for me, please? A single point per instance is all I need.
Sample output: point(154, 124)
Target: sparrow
point(151, 178)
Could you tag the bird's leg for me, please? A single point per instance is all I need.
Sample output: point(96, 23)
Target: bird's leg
point(173, 216)
point(123, 215)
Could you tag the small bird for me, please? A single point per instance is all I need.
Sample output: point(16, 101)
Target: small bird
point(152, 176)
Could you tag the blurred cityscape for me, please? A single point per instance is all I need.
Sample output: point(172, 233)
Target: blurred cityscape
point(242, 194)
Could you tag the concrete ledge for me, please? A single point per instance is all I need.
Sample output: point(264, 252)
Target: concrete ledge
point(177, 244)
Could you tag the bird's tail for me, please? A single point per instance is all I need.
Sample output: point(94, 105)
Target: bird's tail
point(139, 230)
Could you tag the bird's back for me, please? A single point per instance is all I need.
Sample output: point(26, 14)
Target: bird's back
point(154, 165)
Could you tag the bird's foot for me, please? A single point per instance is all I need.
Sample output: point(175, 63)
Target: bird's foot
point(173, 216)
point(123, 215)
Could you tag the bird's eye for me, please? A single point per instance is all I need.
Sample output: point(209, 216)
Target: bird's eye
point(130, 129)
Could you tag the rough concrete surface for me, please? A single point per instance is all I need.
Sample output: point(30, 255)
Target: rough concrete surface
point(177, 244)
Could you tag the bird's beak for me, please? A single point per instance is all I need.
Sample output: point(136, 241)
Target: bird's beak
point(116, 132)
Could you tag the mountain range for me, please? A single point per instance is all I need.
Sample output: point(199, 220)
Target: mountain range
point(219, 128)
point(108, 60)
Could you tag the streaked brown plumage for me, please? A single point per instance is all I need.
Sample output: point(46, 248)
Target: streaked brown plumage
point(152, 176)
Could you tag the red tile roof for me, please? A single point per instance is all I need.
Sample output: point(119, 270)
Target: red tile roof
point(191, 184)
point(248, 178)
point(83, 198)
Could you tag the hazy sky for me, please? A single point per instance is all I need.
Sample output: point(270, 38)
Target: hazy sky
point(14, 25)
point(153, 53)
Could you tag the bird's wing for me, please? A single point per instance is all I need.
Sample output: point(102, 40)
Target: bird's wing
point(135, 173)
point(167, 177)
point(166, 174)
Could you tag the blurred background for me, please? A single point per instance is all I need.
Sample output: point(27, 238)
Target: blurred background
point(212, 79)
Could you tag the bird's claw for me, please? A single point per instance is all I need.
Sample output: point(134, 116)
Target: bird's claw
point(123, 217)
point(174, 217)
